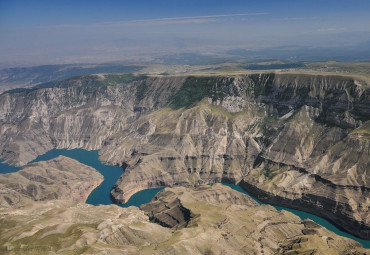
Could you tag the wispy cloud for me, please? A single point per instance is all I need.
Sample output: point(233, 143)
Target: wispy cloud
point(175, 19)
point(163, 21)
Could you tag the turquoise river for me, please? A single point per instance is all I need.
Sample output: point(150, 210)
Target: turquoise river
point(100, 195)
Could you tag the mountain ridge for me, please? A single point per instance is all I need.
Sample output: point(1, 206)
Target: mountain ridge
point(223, 125)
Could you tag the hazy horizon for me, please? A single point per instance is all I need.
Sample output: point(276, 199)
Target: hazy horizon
point(45, 32)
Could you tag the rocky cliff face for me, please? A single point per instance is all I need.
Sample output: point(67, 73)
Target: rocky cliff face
point(61, 178)
point(193, 130)
point(74, 114)
point(222, 221)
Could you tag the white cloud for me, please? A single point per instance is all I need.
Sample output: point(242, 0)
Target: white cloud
point(160, 21)
point(196, 17)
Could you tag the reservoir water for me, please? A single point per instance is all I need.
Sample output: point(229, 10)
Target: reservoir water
point(304, 215)
point(101, 195)
point(5, 168)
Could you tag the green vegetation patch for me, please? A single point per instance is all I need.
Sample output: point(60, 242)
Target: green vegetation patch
point(84, 81)
point(19, 90)
point(363, 131)
point(96, 80)
point(195, 89)
point(303, 91)
point(114, 79)
point(141, 91)
point(334, 66)
point(6, 224)
point(262, 84)
point(273, 66)
point(268, 173)
point(51, 242)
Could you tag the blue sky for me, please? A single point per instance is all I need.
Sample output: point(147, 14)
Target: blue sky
point(44, 32)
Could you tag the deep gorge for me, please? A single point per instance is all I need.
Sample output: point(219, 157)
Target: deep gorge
point(317, 123)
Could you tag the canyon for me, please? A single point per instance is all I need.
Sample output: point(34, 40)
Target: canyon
point(300, 140)
point(202, 220)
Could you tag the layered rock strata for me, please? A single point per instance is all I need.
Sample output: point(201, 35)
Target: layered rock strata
point(189, 131)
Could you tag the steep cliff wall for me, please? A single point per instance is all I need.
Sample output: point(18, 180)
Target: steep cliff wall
point(193, 130)
point(80, 115)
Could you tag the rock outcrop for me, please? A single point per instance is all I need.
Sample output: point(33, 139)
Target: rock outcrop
point(189, 131)
point(222, 221)
point(61, 178)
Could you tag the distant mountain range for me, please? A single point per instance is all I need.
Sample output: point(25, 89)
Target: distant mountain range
point(275, 57)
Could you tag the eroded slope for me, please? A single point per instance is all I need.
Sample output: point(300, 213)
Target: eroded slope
point(193, 130)
point(223, 221)
point(61, 178)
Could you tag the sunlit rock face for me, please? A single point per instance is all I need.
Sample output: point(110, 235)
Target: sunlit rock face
point(303, 139)
point(203, 220)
